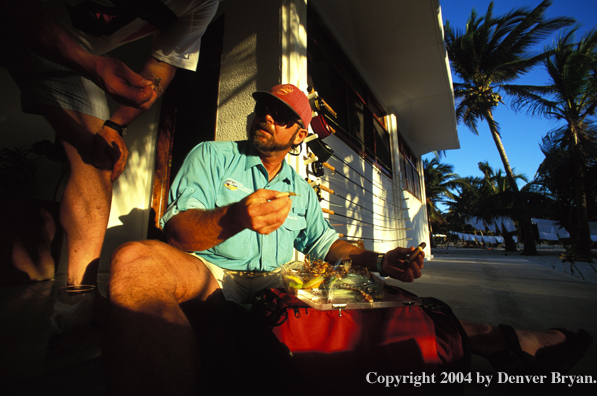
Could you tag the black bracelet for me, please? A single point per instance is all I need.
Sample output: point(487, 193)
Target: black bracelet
point(118, 128)
point(379, 263)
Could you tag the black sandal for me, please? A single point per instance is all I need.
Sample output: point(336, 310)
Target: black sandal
point(557, 358)
point(513, 358)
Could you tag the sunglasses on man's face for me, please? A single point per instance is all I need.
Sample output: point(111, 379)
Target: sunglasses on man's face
point(280, 114)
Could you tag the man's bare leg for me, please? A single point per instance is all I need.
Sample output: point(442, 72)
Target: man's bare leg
point(85, 206)
point(486, 339)
point(150, 347)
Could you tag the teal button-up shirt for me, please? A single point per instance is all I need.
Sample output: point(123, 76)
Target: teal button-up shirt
point(216, 174)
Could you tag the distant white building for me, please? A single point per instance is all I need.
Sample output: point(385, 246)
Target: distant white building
point(381, 65)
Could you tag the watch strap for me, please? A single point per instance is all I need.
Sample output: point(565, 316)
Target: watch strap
point(380, 258)
point(121, 129)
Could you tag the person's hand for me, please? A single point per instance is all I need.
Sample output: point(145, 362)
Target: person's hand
point(394, 266)
point(265, 211)
point(110, 152)
point(124, 85)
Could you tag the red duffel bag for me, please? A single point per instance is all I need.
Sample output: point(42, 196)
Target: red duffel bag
point(405, 348)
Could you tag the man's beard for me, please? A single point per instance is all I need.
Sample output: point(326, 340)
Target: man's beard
point(270, 145)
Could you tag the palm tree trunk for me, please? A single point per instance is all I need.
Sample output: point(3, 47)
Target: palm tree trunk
point(500, 147)
point(584, 241)
point(527, 232)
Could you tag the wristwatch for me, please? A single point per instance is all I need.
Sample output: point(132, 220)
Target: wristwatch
point(379, 263)
point(121, 129)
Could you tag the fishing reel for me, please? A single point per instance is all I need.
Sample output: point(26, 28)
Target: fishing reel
point(317, 169)
point(316, 187)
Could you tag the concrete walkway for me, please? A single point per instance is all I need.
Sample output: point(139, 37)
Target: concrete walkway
point(480, 285)
point(497, 287)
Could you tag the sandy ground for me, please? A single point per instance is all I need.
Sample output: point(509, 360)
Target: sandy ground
point(548, 256)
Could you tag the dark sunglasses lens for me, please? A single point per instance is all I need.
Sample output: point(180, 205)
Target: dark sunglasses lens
point(261, 109)
point(280, 115)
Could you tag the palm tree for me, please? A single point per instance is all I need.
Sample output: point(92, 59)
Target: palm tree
point(440, 179)
point(462, 203)
point(494, 182)
point(554, 179)
point(495, 199)
point(488, 198)
point(571, 98)
point(490, 54)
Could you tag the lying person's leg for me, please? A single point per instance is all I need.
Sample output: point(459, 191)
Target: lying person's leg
point(513, 350)
point(150, 347)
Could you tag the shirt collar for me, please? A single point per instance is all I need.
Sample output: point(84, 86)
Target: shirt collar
point(252, 156)
point(253, 159)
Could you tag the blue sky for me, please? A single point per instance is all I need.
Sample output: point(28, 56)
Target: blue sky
point(521, 133)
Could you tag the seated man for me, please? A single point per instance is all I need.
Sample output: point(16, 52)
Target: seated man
point(230, 225)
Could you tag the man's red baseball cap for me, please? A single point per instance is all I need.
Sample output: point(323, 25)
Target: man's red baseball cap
point(292, 97)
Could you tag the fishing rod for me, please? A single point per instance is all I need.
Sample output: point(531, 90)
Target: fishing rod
point(337, 158)
point(374, 239)
point(329, 190)
point(323, 124)
point(373, 226)
point(342, 206)
point(328, 118)
point(341, 160)
point(332, 213)
point(318, 172)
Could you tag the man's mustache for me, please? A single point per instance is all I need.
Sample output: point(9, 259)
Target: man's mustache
point(265, 126)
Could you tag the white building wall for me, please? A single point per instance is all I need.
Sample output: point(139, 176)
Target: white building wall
point(414, 212)
point(257, 56)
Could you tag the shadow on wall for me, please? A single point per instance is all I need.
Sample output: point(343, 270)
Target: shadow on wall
point(136, 226)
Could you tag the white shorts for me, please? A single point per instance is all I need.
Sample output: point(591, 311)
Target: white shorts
point(44, 82)
point(242, 286)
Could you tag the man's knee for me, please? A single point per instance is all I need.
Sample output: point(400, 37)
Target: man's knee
point(133, 264)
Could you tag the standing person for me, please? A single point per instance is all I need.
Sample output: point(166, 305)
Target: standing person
point(55, 51)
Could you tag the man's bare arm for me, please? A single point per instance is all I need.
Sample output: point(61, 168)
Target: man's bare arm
point(392, 265)
point(110, 151)
point(193, 230)
point(30, 25)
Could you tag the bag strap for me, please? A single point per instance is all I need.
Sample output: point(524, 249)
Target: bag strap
point(272, 306)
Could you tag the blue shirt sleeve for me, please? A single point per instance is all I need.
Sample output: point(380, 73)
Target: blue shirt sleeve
point(193, 187)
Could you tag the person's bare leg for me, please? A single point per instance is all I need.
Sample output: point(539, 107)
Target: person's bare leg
point(149, 346)
point(85, 206)
point(486, 339)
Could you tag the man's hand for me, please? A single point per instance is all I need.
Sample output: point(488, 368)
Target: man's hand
point(110, 152)
point(264, 211)
point(123, 84)
point(394, 264)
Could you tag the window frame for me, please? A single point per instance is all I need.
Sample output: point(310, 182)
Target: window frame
point(371, 140)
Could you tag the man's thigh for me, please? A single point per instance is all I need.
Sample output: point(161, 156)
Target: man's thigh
point(156, 269)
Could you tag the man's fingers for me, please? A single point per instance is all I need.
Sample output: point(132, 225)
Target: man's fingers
point(133, 96)
point(119, 159)
point(138, 81)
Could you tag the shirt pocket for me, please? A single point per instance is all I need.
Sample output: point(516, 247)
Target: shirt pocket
point(289, 231)
point(239, 246)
